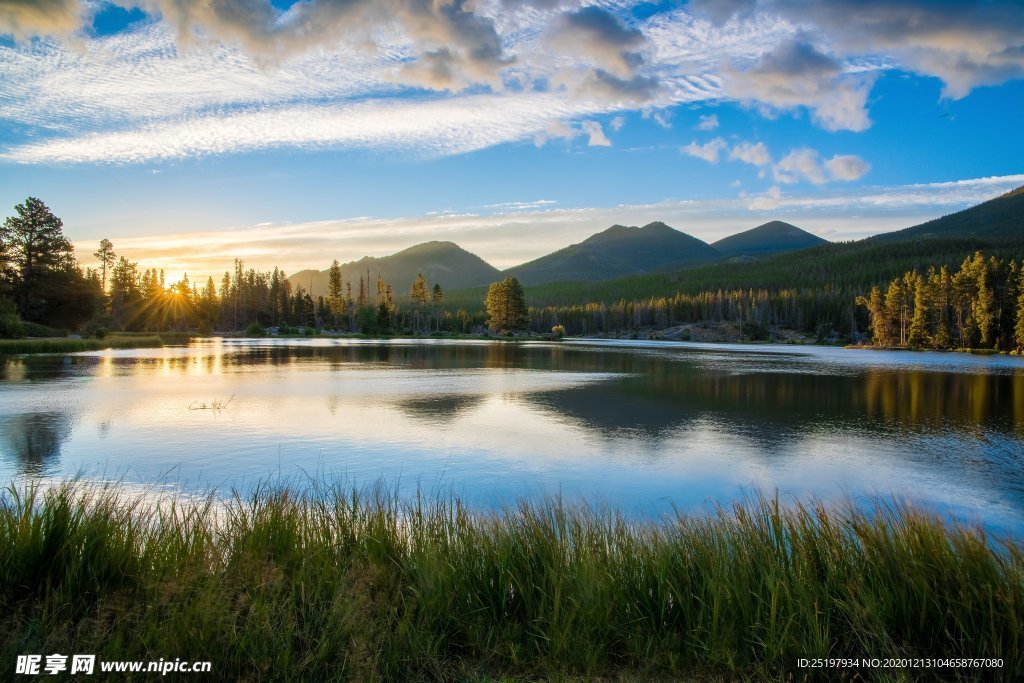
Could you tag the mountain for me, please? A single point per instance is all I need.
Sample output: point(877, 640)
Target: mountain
point(443, 263)
point(775, 237)
point(995, 227)
point(1001, 217)
point(617, 252)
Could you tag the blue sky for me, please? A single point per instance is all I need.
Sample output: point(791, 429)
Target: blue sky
point(192, 131)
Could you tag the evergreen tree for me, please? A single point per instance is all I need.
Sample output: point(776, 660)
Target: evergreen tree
point(917, 336)
point(107, 259)
point(419, 293)
point(893, 314)
point(984, 316)
point(878, 322)
point(941, 293)
point(36, 248)
point(383, 317)
point(1019, 327)
point(506, 306)
point(125, 293)
point(335, 300)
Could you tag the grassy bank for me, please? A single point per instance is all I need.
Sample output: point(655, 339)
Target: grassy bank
point(68, 345)
point(335, 585)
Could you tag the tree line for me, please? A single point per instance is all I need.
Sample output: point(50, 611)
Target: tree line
point(44, 289)
point(826, 312)
point(980, 306)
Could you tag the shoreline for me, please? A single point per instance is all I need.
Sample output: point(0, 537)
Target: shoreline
point(714, 333)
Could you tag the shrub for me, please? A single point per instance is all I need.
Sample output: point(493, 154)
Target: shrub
point(95, 329)
point(38, 330)
point(754, 331)
point(254, 330)
point(11, 327)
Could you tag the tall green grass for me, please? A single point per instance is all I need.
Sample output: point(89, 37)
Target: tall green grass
point(336, 584)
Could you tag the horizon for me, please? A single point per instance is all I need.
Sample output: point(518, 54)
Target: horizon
point(893, 208)
point(289, 134)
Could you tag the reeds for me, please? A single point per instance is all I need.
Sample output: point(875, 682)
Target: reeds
point(68, 345)
point(336, 584)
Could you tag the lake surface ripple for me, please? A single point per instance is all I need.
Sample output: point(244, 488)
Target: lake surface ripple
point(640, 426)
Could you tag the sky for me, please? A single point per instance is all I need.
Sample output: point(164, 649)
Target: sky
point(193, 132)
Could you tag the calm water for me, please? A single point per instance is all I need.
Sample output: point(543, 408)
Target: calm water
point(640, 426)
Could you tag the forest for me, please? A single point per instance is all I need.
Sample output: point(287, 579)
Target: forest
point(44, 291)
point(980, 305)
point(843, 292)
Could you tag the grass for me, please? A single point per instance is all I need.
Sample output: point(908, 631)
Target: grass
point(111, 341)
point(335, 584)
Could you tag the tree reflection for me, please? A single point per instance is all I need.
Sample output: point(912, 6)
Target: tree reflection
point(34, 440)
point(779, 405)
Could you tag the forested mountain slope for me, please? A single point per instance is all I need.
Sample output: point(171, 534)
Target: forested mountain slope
point(616, 252)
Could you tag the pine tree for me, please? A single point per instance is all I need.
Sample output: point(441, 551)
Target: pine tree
point(893, 314)
point(35, 246)
point(984, 315)
point(335, 303)
point(107, 259)
point(918, 334)
point(506, 306)
point(876, 316)
point(1019, 327)
point(419, 293)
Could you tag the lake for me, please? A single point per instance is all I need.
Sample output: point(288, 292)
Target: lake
point(642, 426)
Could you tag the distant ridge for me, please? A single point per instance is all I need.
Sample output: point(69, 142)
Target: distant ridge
point(617, 252)
point(1000, 217)
point(444, 263)
point(774, 237)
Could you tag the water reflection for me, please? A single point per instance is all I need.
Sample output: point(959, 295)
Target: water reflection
point(33, 440)
point(655, 422)
point(439, 409)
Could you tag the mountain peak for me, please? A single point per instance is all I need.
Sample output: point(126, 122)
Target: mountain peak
point(440, 262)
point(773, 237)
point(615, 252)
point(658, 226)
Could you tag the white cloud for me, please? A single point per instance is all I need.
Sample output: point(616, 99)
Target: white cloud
point(708, 122)
point(800, 164)
point(847, 167)
point(428, 127)
point(755, 154)
point(709, 151)
point(595, 134)
point(601, 37)
point(554, 130)
point(767, 201)
point(24, 19)
point(806, 164)
point(196, 59)
point(966, 44)
point(796, 74)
